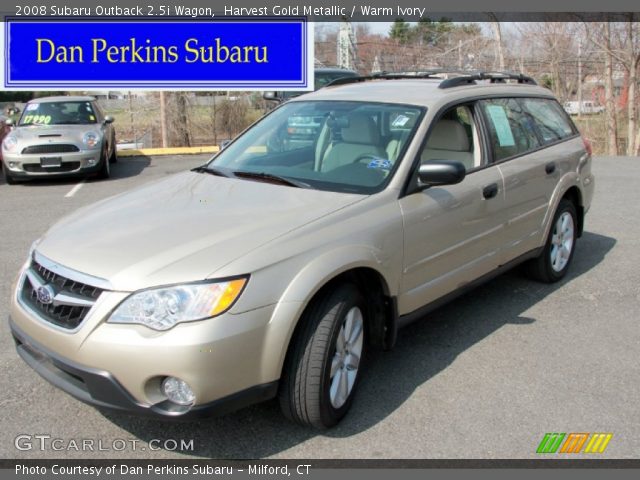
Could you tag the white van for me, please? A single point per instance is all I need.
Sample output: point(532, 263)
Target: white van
point(584, 108)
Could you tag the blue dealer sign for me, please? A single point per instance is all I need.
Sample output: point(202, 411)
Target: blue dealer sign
point(221, 54)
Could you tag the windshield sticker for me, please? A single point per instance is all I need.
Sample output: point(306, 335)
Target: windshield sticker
point(92, 118)
point(36, 119)
point(32, 106)
point(400, 121)
point(380, 163)
point(501, 124)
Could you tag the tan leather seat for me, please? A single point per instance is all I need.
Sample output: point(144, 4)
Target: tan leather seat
point(361, 137)
point(448, 141)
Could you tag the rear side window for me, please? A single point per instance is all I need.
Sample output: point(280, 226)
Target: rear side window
point(551, 121)
point(512, 129)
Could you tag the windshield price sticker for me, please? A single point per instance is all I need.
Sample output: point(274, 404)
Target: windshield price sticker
point(39, 119)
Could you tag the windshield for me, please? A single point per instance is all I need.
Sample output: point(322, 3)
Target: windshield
point(58, 113)
point(336, 146)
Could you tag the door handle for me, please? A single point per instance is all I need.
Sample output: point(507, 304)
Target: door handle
point(550, 168)
point(490, 191)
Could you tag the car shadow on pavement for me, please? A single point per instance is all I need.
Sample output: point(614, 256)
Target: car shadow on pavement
point(129, 167)
point(123, 168)
point(423, 350)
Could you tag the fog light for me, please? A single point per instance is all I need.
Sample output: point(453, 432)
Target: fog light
point(91, 162)
point(178, 391)
point(12, 164)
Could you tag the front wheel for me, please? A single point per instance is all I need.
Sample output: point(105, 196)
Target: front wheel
point(8, 178)
point(554, 261)
point(113, 158)
point(105, 171)
point(322, 369)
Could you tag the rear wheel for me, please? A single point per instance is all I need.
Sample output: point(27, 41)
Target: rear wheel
point(554, 261)
point(323, 367)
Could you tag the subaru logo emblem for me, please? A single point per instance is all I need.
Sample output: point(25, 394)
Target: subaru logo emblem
point(45, 294)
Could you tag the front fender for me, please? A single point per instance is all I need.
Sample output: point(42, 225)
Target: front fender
point(305, 285)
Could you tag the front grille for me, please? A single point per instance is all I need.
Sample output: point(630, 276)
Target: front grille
point(64, 167)
point(63, 315)
point(50, 148)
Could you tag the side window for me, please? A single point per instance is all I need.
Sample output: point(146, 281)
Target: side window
point(454, 137)
point(551, 121)
point(511, 129)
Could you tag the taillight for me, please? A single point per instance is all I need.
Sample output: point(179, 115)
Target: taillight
point(587, 146)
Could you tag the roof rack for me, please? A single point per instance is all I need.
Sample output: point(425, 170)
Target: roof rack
point(463, 78)
point(493, 77)
point(382, 76)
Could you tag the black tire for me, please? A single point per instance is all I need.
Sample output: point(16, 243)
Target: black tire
point(105, 172)
point(113, 158)
point(7, 177)
point(542, 268)
point(305, 395)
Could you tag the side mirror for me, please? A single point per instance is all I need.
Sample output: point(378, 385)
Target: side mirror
point(441, 172)
point(9, 122)
point(108, 119)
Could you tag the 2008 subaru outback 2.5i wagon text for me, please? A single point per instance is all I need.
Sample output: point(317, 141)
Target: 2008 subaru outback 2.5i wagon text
point(271, 270)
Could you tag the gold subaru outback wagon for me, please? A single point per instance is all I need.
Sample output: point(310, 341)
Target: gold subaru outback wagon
point(274, 268)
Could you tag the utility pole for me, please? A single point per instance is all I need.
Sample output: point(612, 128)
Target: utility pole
point(163, 119)
point(347, 47)
point(133, 125)
point(579, 78)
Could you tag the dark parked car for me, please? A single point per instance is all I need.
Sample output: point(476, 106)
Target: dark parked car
point(323, 77)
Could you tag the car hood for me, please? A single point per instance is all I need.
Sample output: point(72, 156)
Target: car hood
point(53, 133)
point(182, 228)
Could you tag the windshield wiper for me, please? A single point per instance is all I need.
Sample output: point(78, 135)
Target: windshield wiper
point(272, 178)
point(211, 170)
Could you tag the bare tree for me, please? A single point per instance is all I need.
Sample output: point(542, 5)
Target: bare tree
point(612, 122)
point(497, 33)
point(632, 60)
point(602, 36)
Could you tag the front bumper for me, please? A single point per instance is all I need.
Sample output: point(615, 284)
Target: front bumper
point(29, 166)
point(99, 388)
point(228, 360)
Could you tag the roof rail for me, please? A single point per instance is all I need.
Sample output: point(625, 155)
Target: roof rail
point(381, 76)
point(493, 77)
point(464, 78)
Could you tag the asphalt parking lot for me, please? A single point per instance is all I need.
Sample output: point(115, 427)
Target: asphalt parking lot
point(487, 377)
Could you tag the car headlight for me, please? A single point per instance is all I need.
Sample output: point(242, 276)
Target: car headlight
point(163, 308)
point(10, 143)
point(91, 139)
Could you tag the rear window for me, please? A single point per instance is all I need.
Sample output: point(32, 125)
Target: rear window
point(551, 121)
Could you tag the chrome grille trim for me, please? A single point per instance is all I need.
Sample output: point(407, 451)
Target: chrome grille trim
point(61, 297)
point(69, 302)
point(71, 274)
